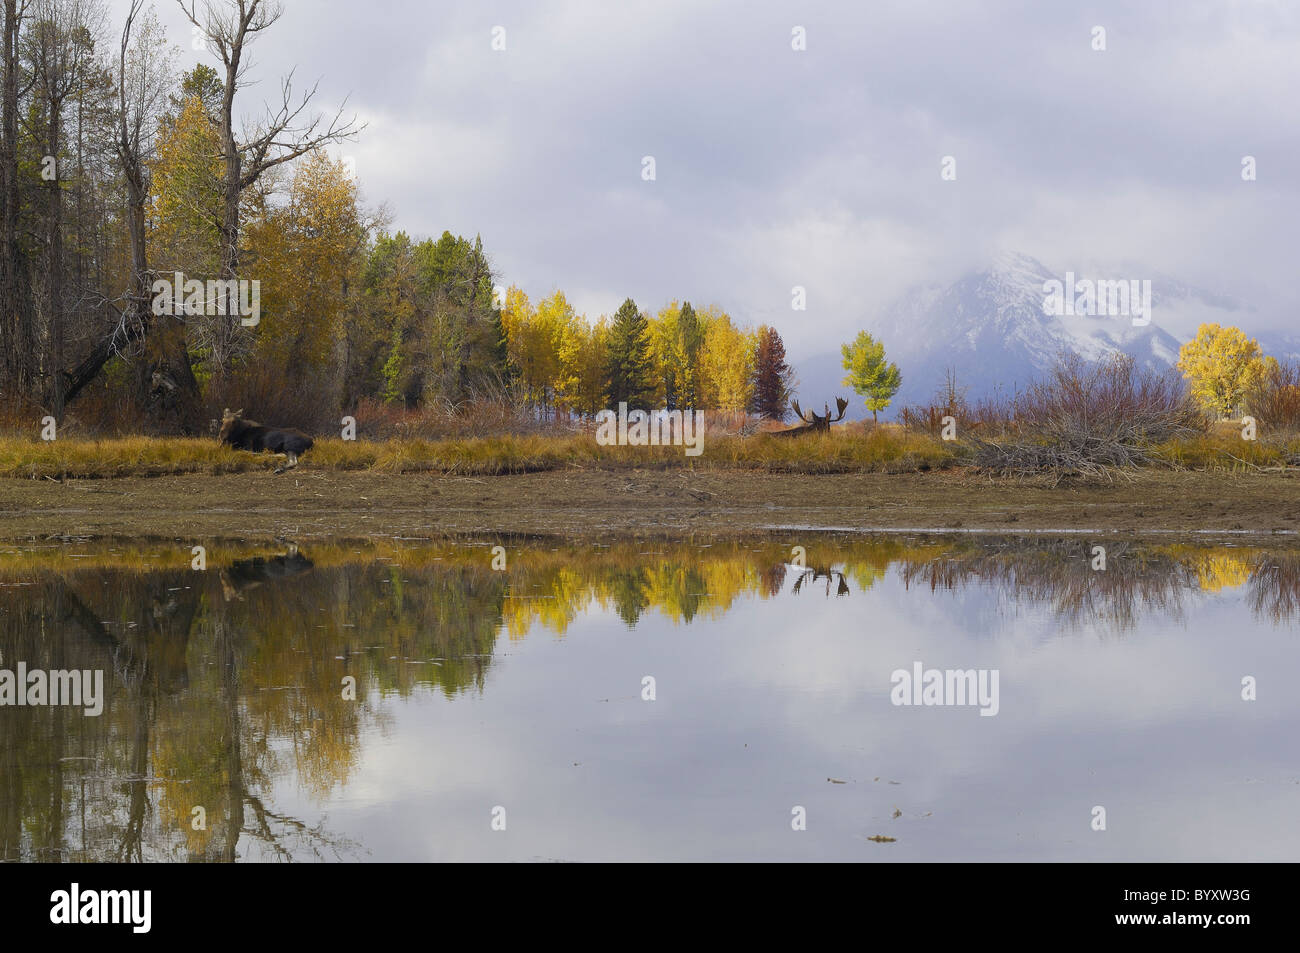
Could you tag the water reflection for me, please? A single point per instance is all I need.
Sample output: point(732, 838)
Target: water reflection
point(244, 574)
point(228, 724)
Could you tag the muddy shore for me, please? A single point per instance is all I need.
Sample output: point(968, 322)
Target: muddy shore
point(585, 503)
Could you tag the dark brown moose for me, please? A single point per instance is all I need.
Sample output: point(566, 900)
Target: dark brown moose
point(250, 435)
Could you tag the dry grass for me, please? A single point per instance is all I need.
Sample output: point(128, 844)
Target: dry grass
point(885, 448)
point(882, 449)
point(120, 456)
point(1224, 449)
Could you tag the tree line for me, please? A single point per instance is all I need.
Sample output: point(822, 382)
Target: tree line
point(119, 170)
point(681, 357)
point(115, 169)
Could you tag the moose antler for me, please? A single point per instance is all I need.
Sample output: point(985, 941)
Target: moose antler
point(814, 422)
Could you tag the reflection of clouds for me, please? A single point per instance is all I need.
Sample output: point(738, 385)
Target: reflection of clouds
point(1152, 705)
point(1150, 726)
point(763, 694)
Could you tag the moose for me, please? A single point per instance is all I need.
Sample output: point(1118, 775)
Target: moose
point(250, 435)
point(813, 421)
point(245, 574)
point(812, 573)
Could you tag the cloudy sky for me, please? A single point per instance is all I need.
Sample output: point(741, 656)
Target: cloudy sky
point(778, 167)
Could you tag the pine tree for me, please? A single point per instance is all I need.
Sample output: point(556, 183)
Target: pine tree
point(690, 342)
point(773, 377)
point(631, 370)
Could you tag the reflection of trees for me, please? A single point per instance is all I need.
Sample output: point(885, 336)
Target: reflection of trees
point(1137, 578)
point(1059, 574)
point(221, 685)
point(57, 739)
point(1274, 587)
point(209, 702)
point(629, 591)
point(32, 749)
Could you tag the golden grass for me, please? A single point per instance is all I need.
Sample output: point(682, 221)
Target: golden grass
point(880, 450)
point(888, 450)
point(1226, 450)
point(124, 456)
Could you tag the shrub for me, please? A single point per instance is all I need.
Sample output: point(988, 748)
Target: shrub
point(1089, 418)
point(986, 417)
point(1111, 400)
point(491, 410)
point(1275, 400)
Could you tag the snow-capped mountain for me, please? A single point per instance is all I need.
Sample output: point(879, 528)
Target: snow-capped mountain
point(991, 328)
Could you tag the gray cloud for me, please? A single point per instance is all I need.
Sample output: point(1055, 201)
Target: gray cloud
point(817, 168)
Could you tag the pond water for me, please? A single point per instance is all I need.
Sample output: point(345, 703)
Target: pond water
point(861, 698)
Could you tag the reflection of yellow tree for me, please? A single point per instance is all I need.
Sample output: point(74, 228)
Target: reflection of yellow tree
point(870, 567)
point(1223, 571)
point(186, 756)
point(1217, 569)
point(224, 683)
point(553, 597)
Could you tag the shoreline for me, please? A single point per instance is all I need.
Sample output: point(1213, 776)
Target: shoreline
point(587, 504)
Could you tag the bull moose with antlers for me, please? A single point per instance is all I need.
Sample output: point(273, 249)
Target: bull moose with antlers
point(814, 422)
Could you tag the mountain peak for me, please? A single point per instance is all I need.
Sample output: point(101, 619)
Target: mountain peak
point(1017, 264)
point(990, 328)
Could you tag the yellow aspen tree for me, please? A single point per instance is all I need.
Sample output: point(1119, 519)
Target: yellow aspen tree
point(304, 253)
point(1222, 365)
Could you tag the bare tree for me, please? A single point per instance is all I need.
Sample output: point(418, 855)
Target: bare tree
point(61, 49)
point(17, 336)
point(143, 81)
point(145, 77)
point(286, 132)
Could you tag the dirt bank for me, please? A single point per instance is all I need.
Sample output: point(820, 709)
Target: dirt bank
point(594, 503)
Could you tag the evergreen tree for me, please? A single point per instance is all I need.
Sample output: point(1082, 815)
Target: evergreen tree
point(631, 370)
point(773, 377)
point(202, 83)
point(690, 341)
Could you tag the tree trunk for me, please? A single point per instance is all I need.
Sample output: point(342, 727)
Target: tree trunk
point(54, 263)
point(16, 334)
point(134, 325)
point(166, 385)
point(227, 311)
